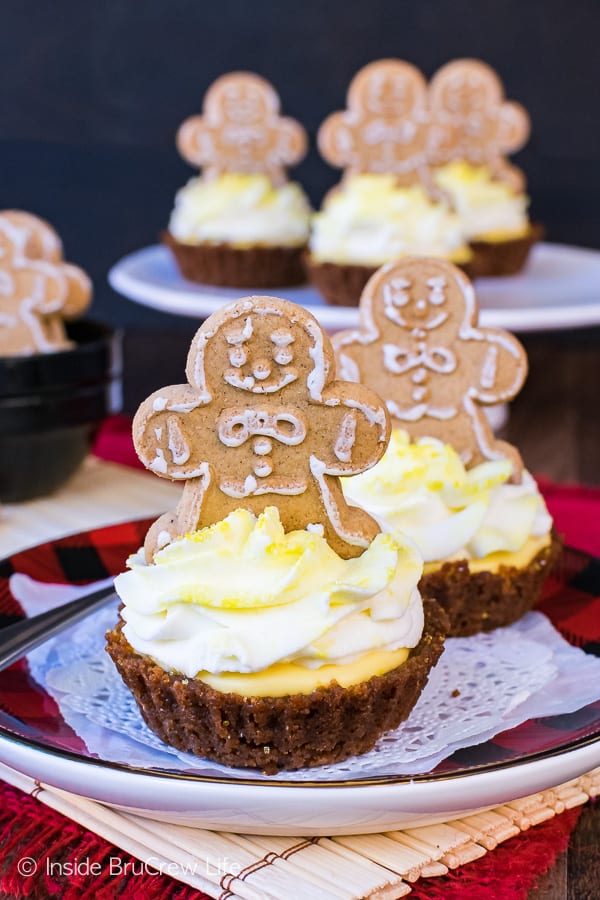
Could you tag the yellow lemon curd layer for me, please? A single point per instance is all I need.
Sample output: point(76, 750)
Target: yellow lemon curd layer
point(504, 234)
point(284, 679)
point(519, 559)
point(462, 255)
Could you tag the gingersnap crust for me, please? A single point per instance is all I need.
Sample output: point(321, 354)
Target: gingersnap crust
point(272, 733)
point(500, 258)
point(482, 601)
point(228, 266)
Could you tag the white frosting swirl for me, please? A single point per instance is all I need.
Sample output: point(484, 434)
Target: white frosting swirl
point(488, 208)
point(369, 220)
point(242, 595)
point(423, 491)
point(242, 210)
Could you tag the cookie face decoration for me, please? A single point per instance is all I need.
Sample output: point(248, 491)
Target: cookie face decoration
point(473, 121)
point(38, 291)
point(240, 131)
point(419, 346)
point(262, 422)
point(385, 128)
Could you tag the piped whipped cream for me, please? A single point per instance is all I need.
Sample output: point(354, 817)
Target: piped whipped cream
point(242, 595)
point(242, 210)
point(488, 209)
point(422, 490)
point(370, 220)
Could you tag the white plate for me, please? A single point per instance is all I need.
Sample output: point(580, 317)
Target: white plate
point(297, 808)
point(560, 288)
point(35, 738)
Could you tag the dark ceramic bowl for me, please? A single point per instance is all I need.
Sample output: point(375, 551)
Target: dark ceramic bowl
point(51, 406)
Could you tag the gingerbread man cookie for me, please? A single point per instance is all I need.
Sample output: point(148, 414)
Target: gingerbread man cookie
point(262, 422)
point(419, 346)
point(385, 128)
point(37, 289)
point(240, 131)
point(34, 237)
point(473, 121)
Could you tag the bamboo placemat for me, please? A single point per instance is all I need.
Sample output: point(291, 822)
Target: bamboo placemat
point(100, 493)
point(359, 867)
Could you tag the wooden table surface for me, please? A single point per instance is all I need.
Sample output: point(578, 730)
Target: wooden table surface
point(576, 873)
point(555, 421)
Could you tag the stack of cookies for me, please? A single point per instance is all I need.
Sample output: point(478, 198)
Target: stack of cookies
point(39, 290)
point(56, 373)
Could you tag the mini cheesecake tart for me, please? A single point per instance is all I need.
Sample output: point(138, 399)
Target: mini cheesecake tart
point(259, 648)
point(480, 595)
point(488, 544)
point(368, 221)
point(313, 727)
point(493, 215)
point(239, 231)
point(340, 284)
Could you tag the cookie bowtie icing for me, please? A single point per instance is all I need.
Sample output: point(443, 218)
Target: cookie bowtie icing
point(37, 289)
point(241, 131)
point(263, 422)
point(420, 347)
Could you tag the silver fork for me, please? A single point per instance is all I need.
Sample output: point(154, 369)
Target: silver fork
point(18, 639)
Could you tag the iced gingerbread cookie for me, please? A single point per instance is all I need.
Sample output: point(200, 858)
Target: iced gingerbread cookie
point(263, 422)
point(240, 131)
point(38, 291)
point(385, 128)
point(473, 122)
point(420, 347)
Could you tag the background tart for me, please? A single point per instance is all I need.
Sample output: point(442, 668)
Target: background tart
point(484, 600)
point(227, 265)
